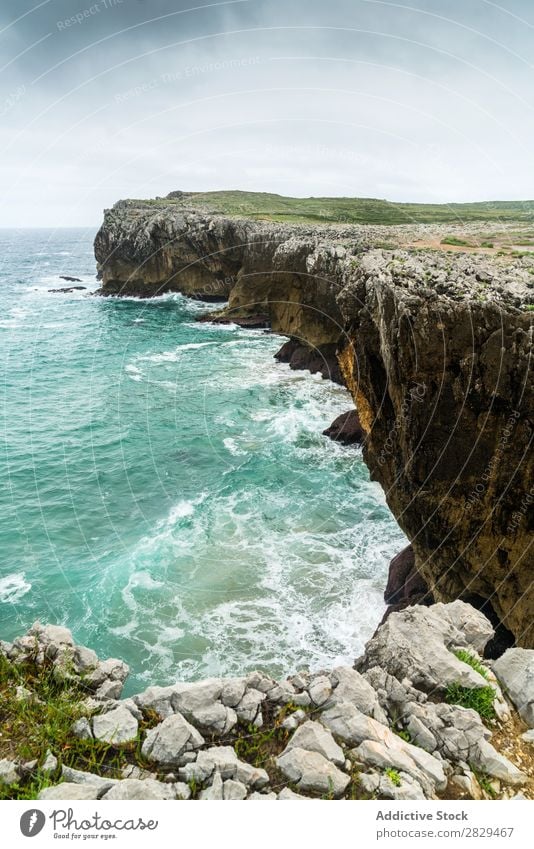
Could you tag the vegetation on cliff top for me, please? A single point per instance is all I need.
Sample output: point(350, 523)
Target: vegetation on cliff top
point(347, 210)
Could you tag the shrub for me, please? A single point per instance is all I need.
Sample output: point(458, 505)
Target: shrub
point(477, 698)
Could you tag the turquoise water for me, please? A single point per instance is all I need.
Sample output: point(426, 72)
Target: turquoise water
point(166, 491)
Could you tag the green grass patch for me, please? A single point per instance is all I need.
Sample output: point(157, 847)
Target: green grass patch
point(480, 699)
point(393, 776)
point(472, 661)
point(487, 244)
point(454, 240)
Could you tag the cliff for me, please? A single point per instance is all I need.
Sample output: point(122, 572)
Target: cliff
point(434, 342)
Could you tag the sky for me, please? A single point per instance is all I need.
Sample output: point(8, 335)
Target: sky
point(418, 100)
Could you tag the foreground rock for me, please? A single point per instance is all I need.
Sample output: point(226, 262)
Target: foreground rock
point(515, 671)
point(346, 429)
point(385, 730)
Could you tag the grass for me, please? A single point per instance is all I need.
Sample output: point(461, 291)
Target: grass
point(472, 661)
point(484, 781)
point(314, 210)
point(487, 244)
point(393, 776)
point(30, 727)
point(454, 240)
point(477, 698)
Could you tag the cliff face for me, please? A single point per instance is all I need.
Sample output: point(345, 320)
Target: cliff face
point(434, 347)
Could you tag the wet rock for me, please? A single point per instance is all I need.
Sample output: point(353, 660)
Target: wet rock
point(346, 429)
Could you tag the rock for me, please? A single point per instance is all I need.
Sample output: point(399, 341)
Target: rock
point(351, 725)
point(515, 670)
point(117, 727)
point(234, 790)
point(467, 785)
point(77, 776)
point(415, 643)
point(131, 788)
point(166, 744)
point(215, 791)
point(8, 772)
point(70, 792)
point(69, 279)
point(405, 584)
point(381, 786)
point(249, 708)
point(528, 736)
point(313, 737)
point(350, 686)
point(320, 690)
point(130, 705)
point(312, 771)
point(23, 694)
point(287, 795)
point(49, 765)
point(424, 768)
point(81, 729)
point(225, 760)
point(133, 771)
point(346, 429)
point(233, 691)
point(492, 763)
point(183, 791)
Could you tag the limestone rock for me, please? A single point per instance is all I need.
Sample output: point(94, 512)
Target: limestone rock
point(350, 686)
point(491, 762)
point(116, 727)
point(131, 788)
point(415, 643)
point(234, 790)
point(9, 773)
point(166, 744)
point(515, 671)
point(70, 792)
point(224, 760)
point(312, 771)
point(313, 737)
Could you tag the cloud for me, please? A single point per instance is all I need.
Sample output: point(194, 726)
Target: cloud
point(429, 100)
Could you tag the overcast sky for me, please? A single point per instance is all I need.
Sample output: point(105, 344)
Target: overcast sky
point(420, 100)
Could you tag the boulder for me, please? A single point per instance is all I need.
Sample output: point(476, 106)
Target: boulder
point(416, 644)
point(312, 771)
point(9, 773)
point(70, 792)
point(224, 760)
point(215, 791)
point(515, 670)
point(234, 790)
point(313, 737)
point(166, 744)
point(492, 763)
point(117, 727)
point(346, 429)
point(350, 686)
point(132, 788)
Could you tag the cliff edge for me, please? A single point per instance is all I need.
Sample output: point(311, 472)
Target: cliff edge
point(430, 327)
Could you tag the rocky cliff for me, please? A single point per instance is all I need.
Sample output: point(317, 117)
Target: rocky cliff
point(435, 347)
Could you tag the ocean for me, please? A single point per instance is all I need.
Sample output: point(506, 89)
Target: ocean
point(166, 490)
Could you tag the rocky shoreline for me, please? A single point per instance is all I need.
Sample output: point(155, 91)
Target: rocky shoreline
point(421, 715)
point(432, 339)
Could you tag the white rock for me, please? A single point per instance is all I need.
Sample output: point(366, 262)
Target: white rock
point(492, 763)
point(287, 795)
point(346, 721)
point(167, 742)
point(49, 764)
point(312, 771)
point(234, 790)
point(183, 791)
point(350, 686)
point(8, 772)
point(81, 729)
point(77, 776)
point(70, 792)
point(131, 788)
point(225, 760)
point(515, 671)
point(116, 727)
point(320, 690)
point(215, 791)
point(249, 708)
point(313, 737)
